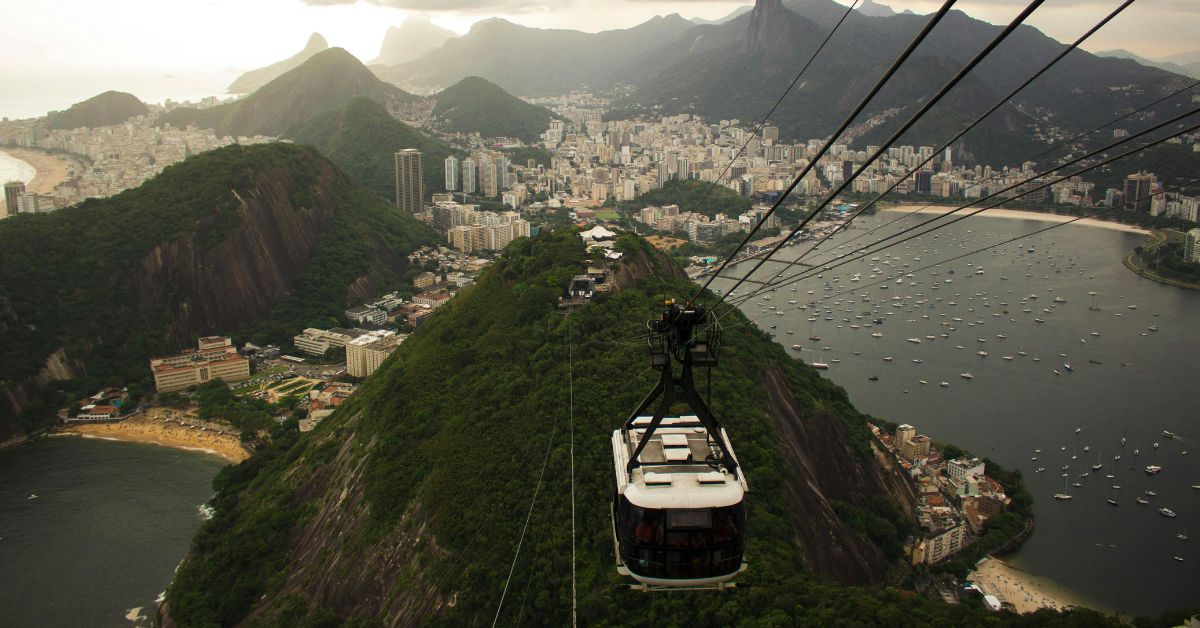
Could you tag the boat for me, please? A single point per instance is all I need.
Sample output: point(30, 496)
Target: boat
point(944, 384)
point(32, 496)
point(921, 381)
point(915, 341)
point(1063, 495)
point(1111, 501)
point(874, 378)
point(1142, 501)
point(877, 334)
point(1078, 430)
point(918, 361)
point(1153, 469)
point(1170, 435)
point(820, 365)
point(970, 376)
point(887, 358)
point(1155, 445)
point(982, 354)
point(1067, 365)
point(1177, 558)
point(1181, 536)
point(1007, 357)
point(797, 347)
point(1151, 493)
point(1091, 361)
point(1166, 512)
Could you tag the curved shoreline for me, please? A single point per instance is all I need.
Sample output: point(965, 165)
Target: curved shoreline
point(48, 170)
point(156, 430)
point(1023, 214)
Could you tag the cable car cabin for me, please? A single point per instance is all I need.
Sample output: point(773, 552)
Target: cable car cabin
point(679, 519)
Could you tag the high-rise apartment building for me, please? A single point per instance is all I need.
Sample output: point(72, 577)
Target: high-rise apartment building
point(451, 173)
point(410, 188)
point(12, 193)
point(1137, 191)
point(365, 353)
point(770, 133)
point(468, 176)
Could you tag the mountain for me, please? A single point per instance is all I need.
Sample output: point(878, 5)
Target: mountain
point(101, 110)
point(1186, 69)
point(535, 62)
point(476, 105)
point(871, 8)
point(362, 139)
point(416, 36)
point(256, 241)
point(735, 13)
point(737, 70)
point(408, 504)
point(327, 81)
point(255, 79)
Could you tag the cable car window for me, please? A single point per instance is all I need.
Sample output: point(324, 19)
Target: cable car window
point(689, 519)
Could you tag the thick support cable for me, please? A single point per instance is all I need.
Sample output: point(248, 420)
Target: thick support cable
point(978, 120)
point(863, 253)
point(891, 71)
point(912, 120)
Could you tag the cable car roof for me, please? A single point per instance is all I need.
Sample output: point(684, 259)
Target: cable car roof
point(673, 471)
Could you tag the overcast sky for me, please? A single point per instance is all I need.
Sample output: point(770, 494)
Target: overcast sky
point(63, 37)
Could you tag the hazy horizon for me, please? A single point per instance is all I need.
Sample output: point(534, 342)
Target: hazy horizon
point(50, 51)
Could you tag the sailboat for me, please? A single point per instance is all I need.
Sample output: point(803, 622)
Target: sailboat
point(1063, 494)
point(1098, 465)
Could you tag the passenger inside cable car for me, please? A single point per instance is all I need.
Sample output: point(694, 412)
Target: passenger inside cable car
point(682, 543)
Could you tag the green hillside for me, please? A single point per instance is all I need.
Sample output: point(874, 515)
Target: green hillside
point(326, 81)
point(407, 505)
point(687, 195)
point(475, 105)
point(254, 241)
point(362, 138)
point(104, 109)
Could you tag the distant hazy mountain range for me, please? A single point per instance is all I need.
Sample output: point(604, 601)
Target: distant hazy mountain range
point(255, 79)
point(416, 36)
point(737, 66)
point(1187, 63)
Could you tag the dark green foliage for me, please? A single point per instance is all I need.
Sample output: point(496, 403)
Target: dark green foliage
point(522, 155)
point(246, 413)
point(104, 109)
point(69, 277)
point(362, 138)
point(687, 195)
point(245, 544)
point(882, 522)
point(457, 424)
point(475, 105)
point(327, 81)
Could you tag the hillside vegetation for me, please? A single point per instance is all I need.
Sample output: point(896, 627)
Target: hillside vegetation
point(362, 138)
point(104, 109)
point(475, 105)
point(326, 81)
point(687, 194)
point(407, 505)
point(253, 241)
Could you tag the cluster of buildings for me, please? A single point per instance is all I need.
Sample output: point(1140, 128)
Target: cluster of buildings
point(105, 405)
point(215, 357)
point(956, 497)
point(701, 228)
point(118, 157)
point(487, 174)
point(323, 401)
point(18, 201)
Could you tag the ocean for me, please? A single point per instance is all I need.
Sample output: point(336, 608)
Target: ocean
point(31, 96)
point(13, 169)
point(110, 523)
point(1117, 558)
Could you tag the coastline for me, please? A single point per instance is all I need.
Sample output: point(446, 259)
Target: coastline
point(999, 212)
point(154, 428)
point(49, 170)
point(1024, 591)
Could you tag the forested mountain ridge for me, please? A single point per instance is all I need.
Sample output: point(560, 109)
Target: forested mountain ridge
point(476, 105)
point(254, 79)
point(327, 81)
point(257, 241)
point(105, 109)
point(362, 138)
point(405, 507)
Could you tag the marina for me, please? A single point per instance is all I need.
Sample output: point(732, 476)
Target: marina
point(1121, 391)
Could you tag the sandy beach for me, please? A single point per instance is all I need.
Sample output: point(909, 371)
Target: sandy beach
point(153, 429)
point(1026, 592)
point(51, 169)
point(999, 212)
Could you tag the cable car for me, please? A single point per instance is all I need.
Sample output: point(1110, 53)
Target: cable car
point(678, 510)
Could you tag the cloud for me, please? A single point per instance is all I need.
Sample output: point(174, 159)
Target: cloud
point(460, 6)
